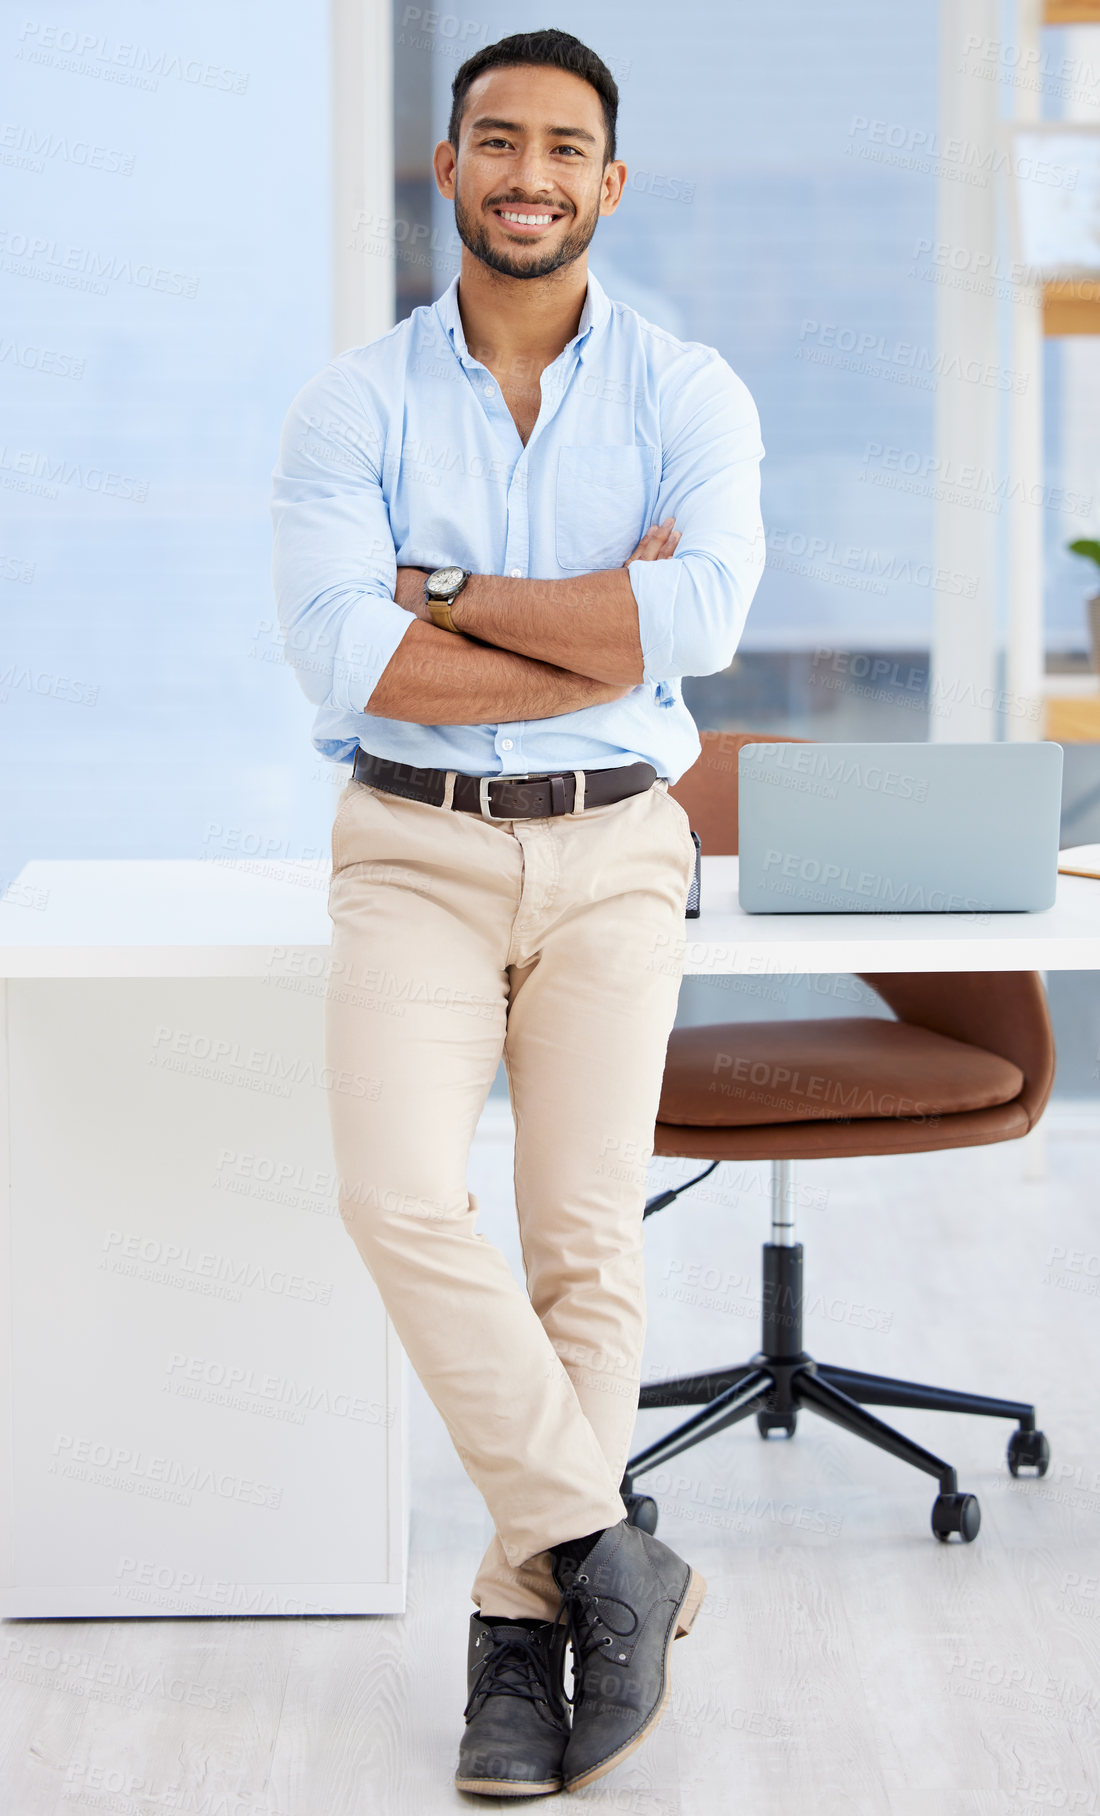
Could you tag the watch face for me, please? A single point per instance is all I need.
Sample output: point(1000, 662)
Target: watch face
point(444, 580)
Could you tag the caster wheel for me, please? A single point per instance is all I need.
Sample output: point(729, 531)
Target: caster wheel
point(1028, 1450)
point(641, 1510)
point(767, 1422)
point(956, 1513)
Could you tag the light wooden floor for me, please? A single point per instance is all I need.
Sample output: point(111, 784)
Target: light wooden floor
point(845, 1661)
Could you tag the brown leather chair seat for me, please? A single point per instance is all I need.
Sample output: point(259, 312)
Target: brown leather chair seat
point(750, 1073)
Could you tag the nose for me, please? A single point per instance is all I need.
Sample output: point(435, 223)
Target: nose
point(530, 176)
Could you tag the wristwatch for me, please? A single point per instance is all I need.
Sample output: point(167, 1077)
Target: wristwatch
point(441, 589)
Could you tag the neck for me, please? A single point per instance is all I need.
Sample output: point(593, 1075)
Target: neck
point(511, 318)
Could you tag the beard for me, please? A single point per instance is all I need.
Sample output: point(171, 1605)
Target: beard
point(475, 237)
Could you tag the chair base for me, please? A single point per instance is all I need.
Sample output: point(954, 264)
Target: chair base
point(782, 1377)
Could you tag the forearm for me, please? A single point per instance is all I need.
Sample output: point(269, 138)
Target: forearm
point(588, 625)
point(436, 678)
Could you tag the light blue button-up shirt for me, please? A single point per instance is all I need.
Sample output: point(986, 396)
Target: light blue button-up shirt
point(403, 453)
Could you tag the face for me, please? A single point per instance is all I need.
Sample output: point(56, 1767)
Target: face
point(529, 182)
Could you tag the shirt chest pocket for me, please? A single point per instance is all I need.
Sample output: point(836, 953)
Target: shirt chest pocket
point(601, 504)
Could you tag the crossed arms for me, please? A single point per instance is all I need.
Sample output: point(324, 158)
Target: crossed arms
point(355, 624)
point(546, 647)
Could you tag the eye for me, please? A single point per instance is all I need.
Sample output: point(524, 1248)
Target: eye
point(577, 153)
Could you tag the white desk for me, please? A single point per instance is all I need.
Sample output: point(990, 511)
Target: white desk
point(206, 1402)
point(724, 940)
point(191, 918)
point(207, 1394)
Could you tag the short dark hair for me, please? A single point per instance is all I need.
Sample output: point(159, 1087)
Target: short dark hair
point(550, 49)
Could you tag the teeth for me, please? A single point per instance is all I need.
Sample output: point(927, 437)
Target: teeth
point(527, 220)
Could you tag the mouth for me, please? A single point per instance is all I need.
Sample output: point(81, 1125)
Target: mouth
point(528, 223)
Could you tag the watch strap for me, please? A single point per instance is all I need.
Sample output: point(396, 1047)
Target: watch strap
point(439, 611)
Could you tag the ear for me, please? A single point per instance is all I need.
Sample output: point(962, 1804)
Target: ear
point(444, 162)
point(612, 185)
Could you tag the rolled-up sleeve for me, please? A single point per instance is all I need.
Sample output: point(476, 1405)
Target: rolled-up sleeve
point(333, 564)
point(692, 607)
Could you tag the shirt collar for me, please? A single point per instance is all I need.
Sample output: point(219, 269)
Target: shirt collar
point(595, 313)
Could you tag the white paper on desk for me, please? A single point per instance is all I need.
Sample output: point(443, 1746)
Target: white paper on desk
point(1080, 860)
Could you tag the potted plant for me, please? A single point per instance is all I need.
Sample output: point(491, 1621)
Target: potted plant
point(1087, 547)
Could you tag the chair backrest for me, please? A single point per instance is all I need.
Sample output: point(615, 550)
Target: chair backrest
point(708, 790)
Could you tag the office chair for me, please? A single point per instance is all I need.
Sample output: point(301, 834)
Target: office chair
point(972, 1052)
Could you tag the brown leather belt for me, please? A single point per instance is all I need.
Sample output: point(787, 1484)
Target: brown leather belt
point(503, 797)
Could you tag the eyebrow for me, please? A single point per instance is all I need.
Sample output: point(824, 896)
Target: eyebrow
point(556, 132)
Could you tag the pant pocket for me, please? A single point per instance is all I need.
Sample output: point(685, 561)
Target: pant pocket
point(687, 843)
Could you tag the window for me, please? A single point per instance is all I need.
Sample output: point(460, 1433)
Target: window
point(166, 261)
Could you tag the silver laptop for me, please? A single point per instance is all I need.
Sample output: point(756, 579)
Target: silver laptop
point(898, 828)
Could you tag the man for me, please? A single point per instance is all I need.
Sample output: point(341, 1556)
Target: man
point(503, 533)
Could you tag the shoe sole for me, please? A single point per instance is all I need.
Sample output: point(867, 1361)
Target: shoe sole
point(688, 1608)
point(507, 1787)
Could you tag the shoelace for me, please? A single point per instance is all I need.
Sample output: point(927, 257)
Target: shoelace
point(514, 1666)
point(582, 1619)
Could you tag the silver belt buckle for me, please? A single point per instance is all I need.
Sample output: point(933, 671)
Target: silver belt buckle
point(483, 795)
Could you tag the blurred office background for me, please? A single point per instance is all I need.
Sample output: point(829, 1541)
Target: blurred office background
point(839, 199)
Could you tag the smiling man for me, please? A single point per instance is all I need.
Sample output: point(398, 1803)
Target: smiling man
point(504, 532)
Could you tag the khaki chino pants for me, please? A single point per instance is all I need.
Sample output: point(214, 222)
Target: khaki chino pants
point(555, 943)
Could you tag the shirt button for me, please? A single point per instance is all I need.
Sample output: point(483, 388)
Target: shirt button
point(506, 744)
point(490, 390)
point(516, 573)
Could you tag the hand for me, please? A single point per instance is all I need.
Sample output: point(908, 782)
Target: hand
point(658, 543)
point(408, 591)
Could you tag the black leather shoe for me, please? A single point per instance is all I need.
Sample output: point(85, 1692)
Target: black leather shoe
point(517, 1720)
point(624, 1605)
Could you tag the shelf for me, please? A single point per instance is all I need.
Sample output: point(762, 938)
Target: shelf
point(1072, 719)
point(1071, 12)
point(1071, 305)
